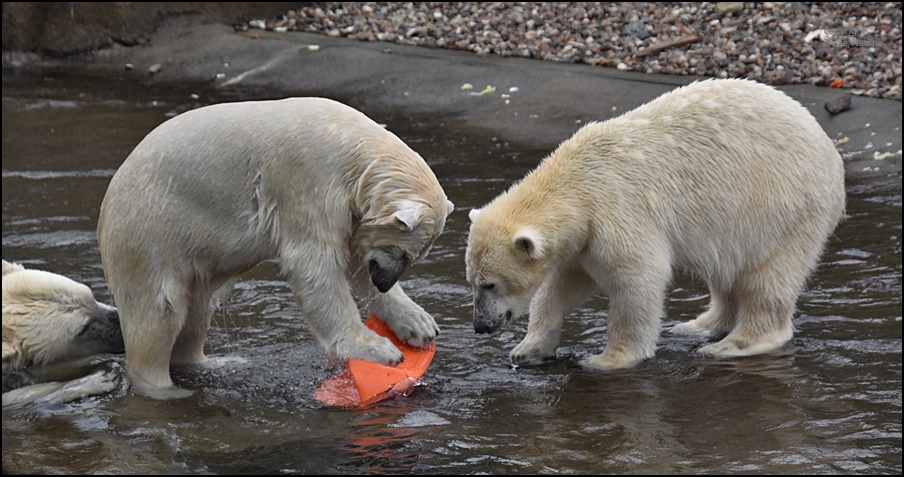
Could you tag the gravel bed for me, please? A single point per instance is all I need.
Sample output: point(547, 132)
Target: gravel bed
point(855, 45)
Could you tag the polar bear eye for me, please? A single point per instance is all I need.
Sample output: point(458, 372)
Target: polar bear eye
point(488, 286)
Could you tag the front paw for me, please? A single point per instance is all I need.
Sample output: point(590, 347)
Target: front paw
point(411, 324)
point(369, 347)
point(530, 352)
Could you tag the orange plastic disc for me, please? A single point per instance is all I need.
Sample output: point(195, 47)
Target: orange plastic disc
point(365, 384)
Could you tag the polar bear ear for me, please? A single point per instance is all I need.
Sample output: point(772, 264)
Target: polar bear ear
point(530, 243)
point(473, 214)
point(449, 207)
point(11, 267)
point(409, 214)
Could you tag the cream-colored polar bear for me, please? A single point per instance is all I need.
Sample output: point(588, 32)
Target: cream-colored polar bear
point(341, 202)
point(728, 179)
point(50, 320)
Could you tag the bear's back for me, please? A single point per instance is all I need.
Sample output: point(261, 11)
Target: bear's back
point(715, 140)
point(723, 170)
point(252, 130)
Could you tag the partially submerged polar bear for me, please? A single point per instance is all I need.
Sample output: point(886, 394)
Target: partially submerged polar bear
point(51, 321)
point(728, 179)
point(341, 202)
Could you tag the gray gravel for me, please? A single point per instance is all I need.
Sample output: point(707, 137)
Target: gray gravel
point(855, 45)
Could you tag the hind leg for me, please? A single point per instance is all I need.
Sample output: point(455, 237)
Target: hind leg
point(766, 296)
point(189, 346)
point(149, 332)
point(717, 321)
point(765, 326)
point(152, 311)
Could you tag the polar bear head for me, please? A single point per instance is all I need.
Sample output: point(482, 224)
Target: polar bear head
point(391, 246)
point(402, 210)
point(505, 262)
point(49, 319)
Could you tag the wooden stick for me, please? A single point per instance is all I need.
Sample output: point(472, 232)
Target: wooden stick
point(681, 40)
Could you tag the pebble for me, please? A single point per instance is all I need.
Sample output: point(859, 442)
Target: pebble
point(771, 42)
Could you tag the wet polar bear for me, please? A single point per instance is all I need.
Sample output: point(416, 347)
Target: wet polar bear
point(730, 180)
point(341, 202)
point(52, 321)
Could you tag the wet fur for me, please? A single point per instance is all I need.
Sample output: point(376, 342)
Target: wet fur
point(210, 193)
point(730, 180)
point(51, 321)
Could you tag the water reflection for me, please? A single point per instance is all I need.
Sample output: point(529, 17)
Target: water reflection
point(830, 402)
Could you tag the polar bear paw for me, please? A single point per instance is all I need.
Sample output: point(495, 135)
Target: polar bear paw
point(369, 347)
point(530, 352)
point(609, 360)
point(410, 323)
point(744, 342)
point(691, 328)
point(730, 348)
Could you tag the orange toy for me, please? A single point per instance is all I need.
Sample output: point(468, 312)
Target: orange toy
point(364, 384)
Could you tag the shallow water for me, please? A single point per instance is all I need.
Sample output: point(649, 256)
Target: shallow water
point(828, 403)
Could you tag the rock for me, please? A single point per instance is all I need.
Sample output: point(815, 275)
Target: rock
point(637, 29)
point(840, 105)
point(728, 8)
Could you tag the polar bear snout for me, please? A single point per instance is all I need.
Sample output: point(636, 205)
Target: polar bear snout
point(494, 306)
point(386, 270)
point(112, 330)
point(489, 322)
point(103, 331)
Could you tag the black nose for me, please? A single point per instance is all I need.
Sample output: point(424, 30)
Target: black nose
point(114, 339)
point(483, 328)
point(385, 278)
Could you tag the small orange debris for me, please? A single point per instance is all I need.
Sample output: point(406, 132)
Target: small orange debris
point(837, 83)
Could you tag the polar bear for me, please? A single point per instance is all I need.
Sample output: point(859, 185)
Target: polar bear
point(343, 204)
point(729, 180)
point(50, 320)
